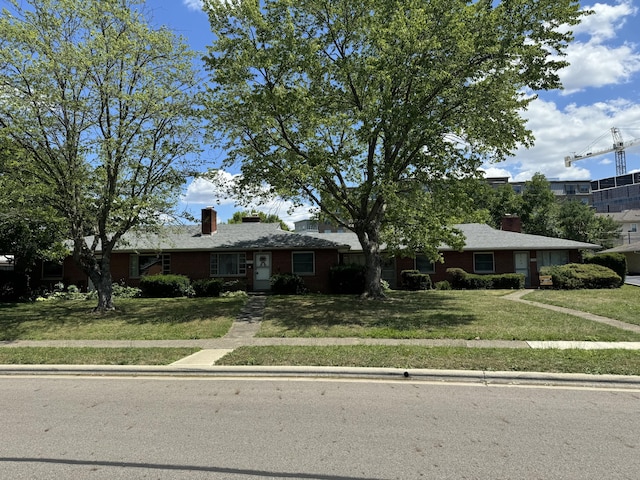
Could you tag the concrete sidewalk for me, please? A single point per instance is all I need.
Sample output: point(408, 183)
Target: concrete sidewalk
point(247, 324)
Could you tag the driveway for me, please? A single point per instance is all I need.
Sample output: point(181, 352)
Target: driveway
point(633, 280)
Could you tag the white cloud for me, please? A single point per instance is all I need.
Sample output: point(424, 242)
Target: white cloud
point(574, 129)
point(193, 4)
point(595, 58)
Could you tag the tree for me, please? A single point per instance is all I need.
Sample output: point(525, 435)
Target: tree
point(29, 229)
point(578, 221)
point(379, 112)
point(539, 210)
point(105, 107)
point(503, 201)
point(264, 218)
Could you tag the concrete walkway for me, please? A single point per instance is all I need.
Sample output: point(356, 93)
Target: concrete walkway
point(247, 324)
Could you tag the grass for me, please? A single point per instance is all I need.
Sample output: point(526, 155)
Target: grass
point(477, 314)
point(619, 303)
point(133, 319)
point(92, 356)
point(614, 362)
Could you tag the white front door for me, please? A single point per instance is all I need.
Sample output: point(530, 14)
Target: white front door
point(521, 260)
point(262, 271)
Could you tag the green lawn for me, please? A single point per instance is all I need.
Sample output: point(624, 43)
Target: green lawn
point(613, 362)
point(133, 319)
point(619, 303)
point(481, 314)
point(92, 356)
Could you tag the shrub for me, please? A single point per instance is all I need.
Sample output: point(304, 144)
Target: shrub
point(470, 281)
point(414, 280)
point(347, 279)
point(235, 286)
point(576, 275)
point(457, 277)
point(443, 285)
point(165, 286)
point(615, 261)
point(287, 284)
point(207, 287)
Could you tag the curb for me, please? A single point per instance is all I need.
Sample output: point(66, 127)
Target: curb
point(487, 378)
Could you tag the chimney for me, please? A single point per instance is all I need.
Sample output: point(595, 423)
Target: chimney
point(209, 221)
point(511, 223)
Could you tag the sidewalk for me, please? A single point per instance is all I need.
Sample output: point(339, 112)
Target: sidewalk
point(247, 324)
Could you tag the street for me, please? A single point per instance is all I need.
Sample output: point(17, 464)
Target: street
point(235, 428)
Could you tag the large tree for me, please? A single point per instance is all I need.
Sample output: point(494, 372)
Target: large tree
point(105, 106)
point(379, 111)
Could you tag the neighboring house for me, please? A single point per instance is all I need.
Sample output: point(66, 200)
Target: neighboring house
point(632, 252)
point(252, 252)
point(487, 250)
point(629, 221)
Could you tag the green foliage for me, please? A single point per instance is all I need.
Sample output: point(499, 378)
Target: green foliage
point(615, 261)
point(443, 285)
point(239, 285)
point(107, 109)
point(576, 275)
point(539, 207)
point(461, 280)
point(287, 284)
point(165, 286)
point(379, 113)
point(578, 221)
point(264, 218)
point(347, 279)
point(208, 287)
point(414, 280)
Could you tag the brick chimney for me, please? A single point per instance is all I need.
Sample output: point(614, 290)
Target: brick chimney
point(511, 223)
point(209, 221)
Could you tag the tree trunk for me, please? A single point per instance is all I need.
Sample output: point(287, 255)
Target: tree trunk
point(102, 282)
point(370, 240)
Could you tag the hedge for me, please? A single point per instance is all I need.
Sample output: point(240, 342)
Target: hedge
point(287, 284)
point(579, 275)
point(414, 280)
point(615, 261)
point(208, 287)
point(461, 280)
point(347, 279)
point(165, 286)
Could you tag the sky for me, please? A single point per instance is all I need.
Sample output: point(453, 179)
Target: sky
point(601, 91)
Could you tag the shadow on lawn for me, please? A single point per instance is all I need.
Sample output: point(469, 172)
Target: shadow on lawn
point(402, 311)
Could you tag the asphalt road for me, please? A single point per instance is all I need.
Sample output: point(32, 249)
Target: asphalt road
point(201, 428)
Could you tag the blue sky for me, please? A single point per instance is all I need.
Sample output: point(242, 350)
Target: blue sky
point(602, 90)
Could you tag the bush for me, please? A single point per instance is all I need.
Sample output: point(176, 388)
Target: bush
point(443, 285)
point(615, 261)
point(414, 280)
point(239, 285)
point(576, 275)
point(461, 280)
point(208, 287)
point(165, 286)
point(347, 279)
point(287, 284)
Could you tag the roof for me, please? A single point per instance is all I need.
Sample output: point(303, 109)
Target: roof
point(627, 248)
point(482, 237)
point(240, 236)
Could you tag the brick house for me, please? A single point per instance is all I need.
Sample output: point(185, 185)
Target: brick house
point(251, 252)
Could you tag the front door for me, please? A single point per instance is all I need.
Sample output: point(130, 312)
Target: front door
point(262, 271)
point(521, 259)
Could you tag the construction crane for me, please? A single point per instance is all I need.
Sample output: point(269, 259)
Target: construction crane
point(618, 147)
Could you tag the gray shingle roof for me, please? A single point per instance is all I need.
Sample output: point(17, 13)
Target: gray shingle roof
point(241, 236)
point(481, 237)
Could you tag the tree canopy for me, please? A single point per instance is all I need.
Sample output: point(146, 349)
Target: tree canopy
point(377, 111)
point(105, 107)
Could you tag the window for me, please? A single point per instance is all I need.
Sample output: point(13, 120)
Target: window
point(303, 263)
point(51, 270)
point(141, 265)
point(634, 227)
point(483, 263)
point(553, 257)
point(228, 264)
point(424, 265)
point(7, 262)
point(353, 259)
